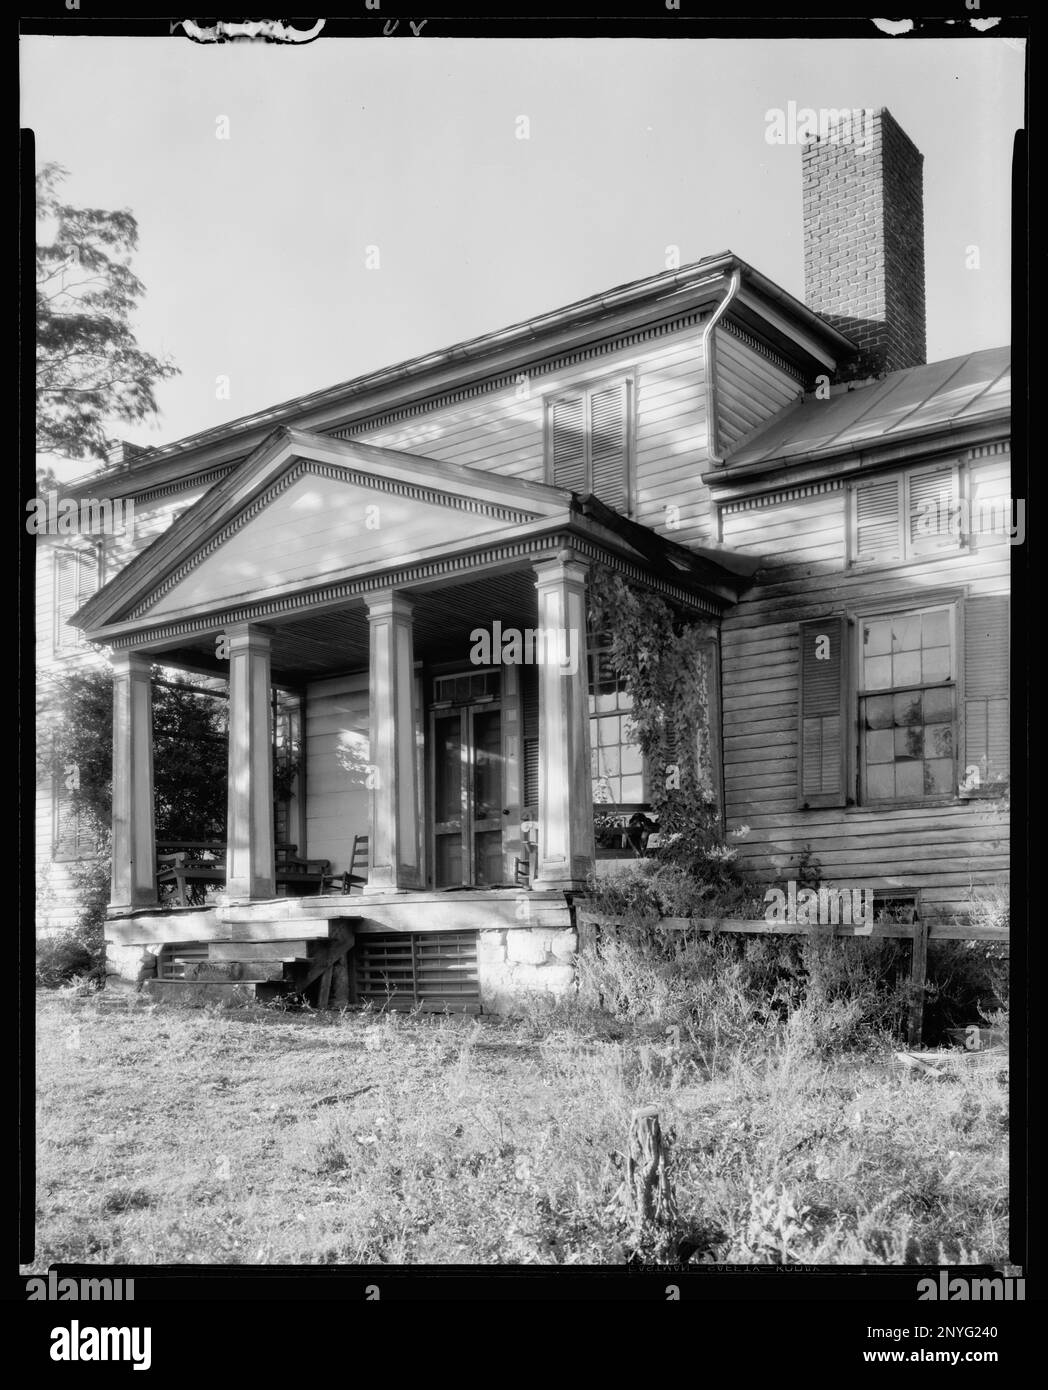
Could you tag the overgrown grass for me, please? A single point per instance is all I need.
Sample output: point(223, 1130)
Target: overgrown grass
point(253, 1137)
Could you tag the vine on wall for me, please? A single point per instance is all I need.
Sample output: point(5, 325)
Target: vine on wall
point(665, 664)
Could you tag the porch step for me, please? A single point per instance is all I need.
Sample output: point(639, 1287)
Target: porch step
point(264, 950)
point(286, 968)
point(231, 993)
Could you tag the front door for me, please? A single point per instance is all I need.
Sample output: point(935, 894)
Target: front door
point(467, 793)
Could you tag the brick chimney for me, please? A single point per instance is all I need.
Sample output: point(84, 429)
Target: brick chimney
point(864, 240)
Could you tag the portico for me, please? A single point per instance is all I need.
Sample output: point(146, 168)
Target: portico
point(333, 566)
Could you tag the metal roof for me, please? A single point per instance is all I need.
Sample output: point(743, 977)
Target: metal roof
point(959, 391)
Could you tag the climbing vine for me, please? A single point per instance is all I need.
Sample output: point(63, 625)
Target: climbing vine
point(666, 667)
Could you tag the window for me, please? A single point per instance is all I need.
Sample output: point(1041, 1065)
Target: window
point(906, 515)
point(588, 435)
point(76, 578)
point(904, 706)
point(617, 764)
point(908, 705)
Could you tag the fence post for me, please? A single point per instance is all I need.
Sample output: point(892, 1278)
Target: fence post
point(918, 971)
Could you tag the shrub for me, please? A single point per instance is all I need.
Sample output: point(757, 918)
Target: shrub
point(66, 955)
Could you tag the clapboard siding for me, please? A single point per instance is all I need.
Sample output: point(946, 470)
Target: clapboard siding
point(500, 432)
point(749, 388)
point(336, 737)
point(941, 850)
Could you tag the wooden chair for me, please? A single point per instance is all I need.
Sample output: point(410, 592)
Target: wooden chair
point(357, 873)
point(301, 873)
point(186, 867)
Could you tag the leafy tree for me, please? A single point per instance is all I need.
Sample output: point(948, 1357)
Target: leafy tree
point(189, 753)
point(90, 368)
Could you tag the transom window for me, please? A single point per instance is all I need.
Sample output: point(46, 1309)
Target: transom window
point(908, 705)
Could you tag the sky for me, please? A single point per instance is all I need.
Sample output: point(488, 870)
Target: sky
point(254, 248)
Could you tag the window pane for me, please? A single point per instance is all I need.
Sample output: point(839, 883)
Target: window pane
point(880, 781)
point(877, 639)
point(909, 779)
point(879, 713)
point(935, 663)
point(906, 634)
point(906, 668)
point(938, 741)
point(938, 706)
point(608, 731)
point(632, 789)
point(909, 743)
point(609, 761)
point(878, 672)
point(880, 747)
point(937, 628)
point(907, 708)
point(632, 758)
point(938, 776)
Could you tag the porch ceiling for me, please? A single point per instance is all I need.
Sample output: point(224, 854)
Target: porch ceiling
point(311, 646)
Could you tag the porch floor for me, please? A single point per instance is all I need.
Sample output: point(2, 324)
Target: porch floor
point(317, 915)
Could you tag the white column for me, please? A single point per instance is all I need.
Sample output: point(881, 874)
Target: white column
point(565, 810)
point(250, 869)
point(394, 841)
point(134, 846)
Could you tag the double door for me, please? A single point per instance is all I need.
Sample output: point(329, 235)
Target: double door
point(467, 794)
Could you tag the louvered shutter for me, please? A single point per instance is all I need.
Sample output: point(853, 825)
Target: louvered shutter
point(823, 717)
point(66, 599)
point(878, 532)
point(986, 723)
point(932, 510)
point(66, 823)
point(74, 835)
point(567, 425)
point(609, 413)
point(529, 699)
point(87, 577)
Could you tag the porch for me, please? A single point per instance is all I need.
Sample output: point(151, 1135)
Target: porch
point(444, 691)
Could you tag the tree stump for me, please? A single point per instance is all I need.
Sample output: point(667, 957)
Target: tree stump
point(648, 1193)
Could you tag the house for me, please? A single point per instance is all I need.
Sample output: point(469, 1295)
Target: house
point(405, 557)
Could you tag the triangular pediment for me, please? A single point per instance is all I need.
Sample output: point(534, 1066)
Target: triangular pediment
point(306, 510)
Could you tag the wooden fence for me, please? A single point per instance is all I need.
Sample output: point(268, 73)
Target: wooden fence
point(919, 934)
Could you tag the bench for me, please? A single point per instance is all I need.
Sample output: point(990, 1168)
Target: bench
point(185, 867)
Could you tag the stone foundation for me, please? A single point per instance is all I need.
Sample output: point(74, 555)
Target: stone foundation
point(516, 961)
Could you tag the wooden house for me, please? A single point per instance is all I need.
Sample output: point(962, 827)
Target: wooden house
point(791, 476)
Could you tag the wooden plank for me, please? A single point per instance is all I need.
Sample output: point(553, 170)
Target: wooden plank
point(918, 973)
